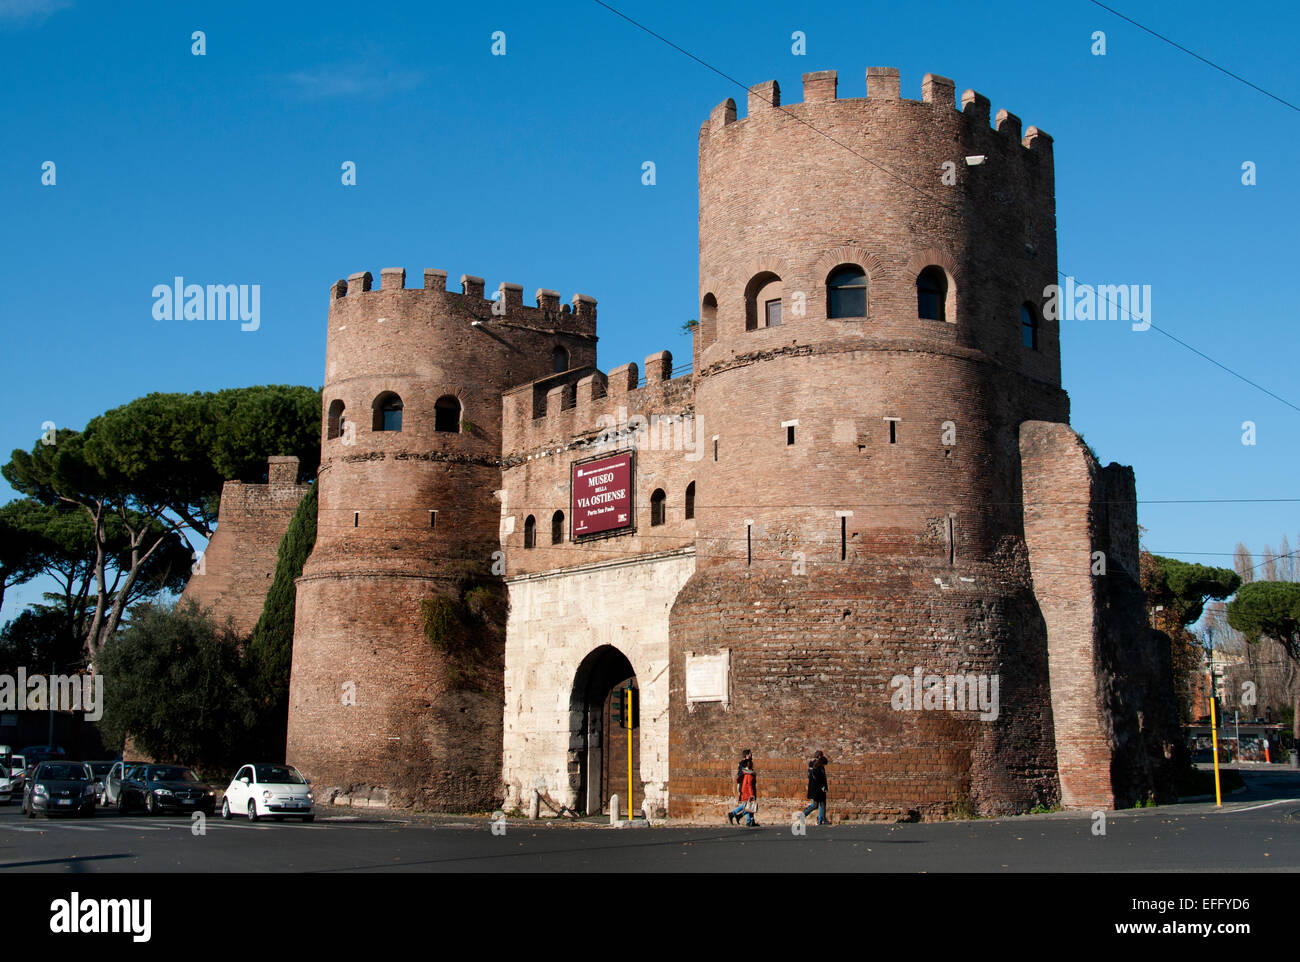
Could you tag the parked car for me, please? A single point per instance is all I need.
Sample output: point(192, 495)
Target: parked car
point(100, 771)
point(12, 775)
point(268, 789)
point(60, 787)
point(111, 794)
point(165, 788)
point(35, 754)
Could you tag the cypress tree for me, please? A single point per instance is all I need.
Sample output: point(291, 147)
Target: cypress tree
point(270, 651)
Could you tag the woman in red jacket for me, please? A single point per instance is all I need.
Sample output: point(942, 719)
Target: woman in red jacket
point(746, 791)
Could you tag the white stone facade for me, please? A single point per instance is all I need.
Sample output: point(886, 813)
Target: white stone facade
point(556, 620)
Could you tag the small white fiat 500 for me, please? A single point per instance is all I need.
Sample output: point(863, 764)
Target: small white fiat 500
point(268, 791)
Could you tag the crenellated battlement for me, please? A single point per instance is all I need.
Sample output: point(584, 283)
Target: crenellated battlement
point(883, 87)
point(574, 407)
point(505, 304)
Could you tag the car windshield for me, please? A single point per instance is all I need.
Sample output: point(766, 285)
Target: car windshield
point(169, 773)
point(278, 775)
point(62, 772)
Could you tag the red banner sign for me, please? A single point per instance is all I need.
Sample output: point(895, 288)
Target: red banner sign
point(601, 492)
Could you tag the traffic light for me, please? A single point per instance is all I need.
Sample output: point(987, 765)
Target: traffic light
point(619, 706)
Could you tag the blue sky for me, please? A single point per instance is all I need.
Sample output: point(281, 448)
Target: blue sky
point(225, 168)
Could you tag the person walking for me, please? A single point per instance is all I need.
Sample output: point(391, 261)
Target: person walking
point(817, 787)
point(746, 791)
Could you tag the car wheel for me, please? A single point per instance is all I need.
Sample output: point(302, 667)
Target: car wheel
point(309, 818)
point(252, 810)
point(225, 808)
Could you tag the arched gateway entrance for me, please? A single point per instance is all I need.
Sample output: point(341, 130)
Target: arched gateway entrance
point(597, 745)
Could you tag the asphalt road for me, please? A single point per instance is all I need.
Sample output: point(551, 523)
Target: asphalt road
point(1257, 831)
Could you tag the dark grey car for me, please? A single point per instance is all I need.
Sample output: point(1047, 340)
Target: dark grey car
point(60, 788)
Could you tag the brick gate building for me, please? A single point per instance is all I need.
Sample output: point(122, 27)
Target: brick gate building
point(858, 522)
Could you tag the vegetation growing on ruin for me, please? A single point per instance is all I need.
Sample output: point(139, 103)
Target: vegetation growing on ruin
point(467, 628)
point(270, 649)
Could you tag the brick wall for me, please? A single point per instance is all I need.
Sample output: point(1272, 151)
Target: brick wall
point(239, 562)
point(406, 515)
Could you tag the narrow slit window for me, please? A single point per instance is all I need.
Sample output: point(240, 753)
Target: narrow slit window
point(749, 544)
point(690, 501)
point(433, 519)
point(893, 432)
point(1028, 326)
point(356, 519)
point(952, 540)
point(844, 538)
point(715, 449)
point(789, 434)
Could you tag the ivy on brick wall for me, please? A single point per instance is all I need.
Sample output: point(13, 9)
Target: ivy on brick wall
point(466, 627)
point(270, 650)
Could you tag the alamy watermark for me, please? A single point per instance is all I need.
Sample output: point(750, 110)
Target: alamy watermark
point(214, 302)
point(55, 692)
point(1104, 302)
point(658, 432)
point(960, 692)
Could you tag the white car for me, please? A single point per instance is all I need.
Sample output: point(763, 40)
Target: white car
point(268, 790)
point(12, 775)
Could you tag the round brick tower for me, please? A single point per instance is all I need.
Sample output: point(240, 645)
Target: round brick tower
point(410, 468)
point(864, 365)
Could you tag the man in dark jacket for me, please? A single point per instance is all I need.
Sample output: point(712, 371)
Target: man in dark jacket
point(817, 787)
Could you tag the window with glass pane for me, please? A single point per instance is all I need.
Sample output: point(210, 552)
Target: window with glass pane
point(846, 292)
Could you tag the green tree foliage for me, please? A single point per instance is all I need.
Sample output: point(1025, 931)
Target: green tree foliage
point(62, 545)
point(21, 550)
point(270, 651)
point(1176, 595)
point(1269, 609)
point(41, 636)
point(174, 451)
point(172, 682)
point(1182, 589)
point(155, 468)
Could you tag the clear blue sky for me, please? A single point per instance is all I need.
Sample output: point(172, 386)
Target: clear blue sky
point(526, 168)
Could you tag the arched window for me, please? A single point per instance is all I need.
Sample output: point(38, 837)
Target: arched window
point(690, 501)
point(387, 411)
point(763, 301)
point(931, 294)
point(657, 502)
point(446, 414)
point(335, 421)
point(530, 532)
point(846, 292)
point(559, 360)
point(1029, 326)
point(557, 527)
point(709, 315)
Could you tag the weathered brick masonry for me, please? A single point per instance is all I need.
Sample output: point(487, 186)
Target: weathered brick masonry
point(867, 476)
point(239, 561)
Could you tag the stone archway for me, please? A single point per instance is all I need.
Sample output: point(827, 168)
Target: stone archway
point(597, 746)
